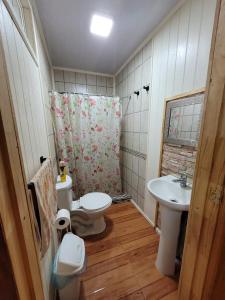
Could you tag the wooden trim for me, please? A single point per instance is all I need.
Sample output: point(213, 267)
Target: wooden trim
point(166, 100)
point(188, 99)
point(11, 225)
point(160, 161)
point(186, 94)
point(83, 71)
point(203, 260)
point(20, 30)
point(14, 208)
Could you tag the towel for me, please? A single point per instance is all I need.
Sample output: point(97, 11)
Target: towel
point(44, 184)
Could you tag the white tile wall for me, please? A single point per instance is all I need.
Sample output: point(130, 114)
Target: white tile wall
point(109, 82)
point(135, 121)
point(80, 78)
point(91, 79)
point(69, 76)
point(59, 76)
point(68, 81)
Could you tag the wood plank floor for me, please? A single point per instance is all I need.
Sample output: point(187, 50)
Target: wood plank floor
point(121, 261)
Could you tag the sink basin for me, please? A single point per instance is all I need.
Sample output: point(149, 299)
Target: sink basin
point(173, 199)
point(170, 193)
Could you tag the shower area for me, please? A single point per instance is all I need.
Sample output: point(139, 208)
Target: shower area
point(102, 147)
point(87, 135)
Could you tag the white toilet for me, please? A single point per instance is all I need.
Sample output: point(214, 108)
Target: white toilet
point(86, 213)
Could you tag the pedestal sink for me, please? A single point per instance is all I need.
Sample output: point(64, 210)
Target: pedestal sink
point(173, 199)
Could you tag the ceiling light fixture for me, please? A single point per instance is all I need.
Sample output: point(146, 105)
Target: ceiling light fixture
point(101, 26)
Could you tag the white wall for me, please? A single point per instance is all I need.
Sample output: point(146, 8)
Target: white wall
point(180, 62)
point(180, 55)
point(45, 70)
point(30, 80)
point(135, 122)
point(26, 96)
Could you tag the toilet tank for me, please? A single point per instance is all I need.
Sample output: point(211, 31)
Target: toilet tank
point(64, 193)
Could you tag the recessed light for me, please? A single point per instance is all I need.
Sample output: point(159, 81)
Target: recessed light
point(101, 26)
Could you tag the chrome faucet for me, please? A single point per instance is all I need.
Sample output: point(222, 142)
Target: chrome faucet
point(182, 180)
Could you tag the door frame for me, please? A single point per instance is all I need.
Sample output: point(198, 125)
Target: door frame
point(15, 206)
point(204, 255)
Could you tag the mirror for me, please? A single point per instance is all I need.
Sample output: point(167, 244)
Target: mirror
point(183, 119)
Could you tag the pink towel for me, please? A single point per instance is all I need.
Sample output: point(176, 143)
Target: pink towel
point(47, 204)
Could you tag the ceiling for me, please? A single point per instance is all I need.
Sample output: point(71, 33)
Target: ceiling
point(71, 45)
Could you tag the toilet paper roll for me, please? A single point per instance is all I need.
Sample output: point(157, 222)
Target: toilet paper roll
point(62, 220)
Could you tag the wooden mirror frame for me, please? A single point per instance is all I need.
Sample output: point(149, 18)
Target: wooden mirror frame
point(180, 101)
point(167, 100)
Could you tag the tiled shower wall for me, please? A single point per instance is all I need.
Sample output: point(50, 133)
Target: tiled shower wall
point(68, 81)
point(134, 129)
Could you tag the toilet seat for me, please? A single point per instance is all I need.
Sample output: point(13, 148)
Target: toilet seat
point(95, 201)
point(91, 203)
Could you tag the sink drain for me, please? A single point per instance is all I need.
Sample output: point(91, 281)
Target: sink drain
point(174, 200)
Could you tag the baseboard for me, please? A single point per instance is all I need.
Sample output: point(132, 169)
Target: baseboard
point(143, 214)
point(158, 230)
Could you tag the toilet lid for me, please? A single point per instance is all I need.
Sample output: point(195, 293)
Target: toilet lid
point(95, 201)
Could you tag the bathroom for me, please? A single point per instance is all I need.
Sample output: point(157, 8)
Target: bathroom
point(112, 142)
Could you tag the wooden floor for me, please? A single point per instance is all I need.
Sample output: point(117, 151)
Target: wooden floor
point(121, 263)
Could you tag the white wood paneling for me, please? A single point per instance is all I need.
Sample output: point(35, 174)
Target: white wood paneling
point(187, 38)
point(181, 45)
point(204, 42)
point(179, 63)
point(30, 82)
point(192, 44)
point(26, 95)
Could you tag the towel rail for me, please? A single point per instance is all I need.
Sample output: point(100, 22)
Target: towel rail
point(31, 187)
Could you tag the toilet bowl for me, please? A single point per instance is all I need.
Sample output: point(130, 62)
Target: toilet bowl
point(86, 213)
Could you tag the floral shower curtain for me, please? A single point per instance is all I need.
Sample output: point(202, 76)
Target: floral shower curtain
point(87, 134)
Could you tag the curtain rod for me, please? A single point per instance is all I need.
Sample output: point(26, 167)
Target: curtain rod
point(73, 93)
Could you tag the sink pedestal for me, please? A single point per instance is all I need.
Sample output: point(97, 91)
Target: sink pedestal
point(170, 228)
point(173, 200)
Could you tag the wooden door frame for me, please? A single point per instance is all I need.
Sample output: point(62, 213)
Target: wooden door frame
point(15, 208)
point(204, 256)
